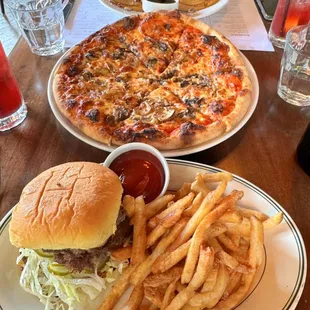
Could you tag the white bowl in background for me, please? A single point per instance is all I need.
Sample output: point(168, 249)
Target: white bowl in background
point(150, 6)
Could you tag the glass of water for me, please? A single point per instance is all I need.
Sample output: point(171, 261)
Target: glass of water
point(41, 23)
point(294, 83)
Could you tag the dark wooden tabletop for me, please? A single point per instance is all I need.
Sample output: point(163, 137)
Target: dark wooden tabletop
point(263, 152)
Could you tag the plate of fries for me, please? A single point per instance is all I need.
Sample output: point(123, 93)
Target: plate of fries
point(213, 241)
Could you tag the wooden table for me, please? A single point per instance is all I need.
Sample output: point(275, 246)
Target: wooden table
point(263, 152)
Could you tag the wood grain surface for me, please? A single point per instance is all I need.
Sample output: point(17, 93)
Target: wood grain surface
point(263, 152)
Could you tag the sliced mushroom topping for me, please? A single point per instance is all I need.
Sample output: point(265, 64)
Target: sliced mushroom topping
point(184, 83)
point(164, 114)
point(193, 101)
point(87, 75)
point(91, 55)
point(151, 62)
point(167, 26)
point(73, 70)
point(93, 115)
point(144, 108)
point(121, 113)
point(206, 39)
point(70, 103)
point(162, 46)
point(130, 22)
point(119, 53)
point(110, 119)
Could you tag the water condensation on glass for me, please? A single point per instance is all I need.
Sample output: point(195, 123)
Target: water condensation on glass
point(294, 82)
point(42, 24)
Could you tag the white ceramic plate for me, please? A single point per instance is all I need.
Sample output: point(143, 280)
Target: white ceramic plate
point(278, 284)
point(172, 153)
point(199, 14)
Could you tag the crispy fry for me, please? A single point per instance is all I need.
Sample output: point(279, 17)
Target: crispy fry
point(199, 186)
point(228, 244)
point(117, 290)
point(139, 232)
point(183, 202)
point(243, 229)
point(170, 293)
point(144, 268)
point(153, 295)
point(205, 263)
point(210, 282)
point(135, 298)
point(217, 177)
point(230, 217)
point(206, 206)
point(168, 221)
point(273, 221)
point(174, 257)
point(197, 239)
point(215, 244)
point(234, 238)
point(158, 261)
point(183, 191)
point(129, 205)
point(256, 251)
point(157, 205)
point(249, 212)
point(227, 259)
point(163, 278)
point(210, 299)
point(234, 281)
point(122, 253)
point(234, 299)
point(194, 206)
point(215, 230)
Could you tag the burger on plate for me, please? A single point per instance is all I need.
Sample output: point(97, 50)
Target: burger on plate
point(67, 222)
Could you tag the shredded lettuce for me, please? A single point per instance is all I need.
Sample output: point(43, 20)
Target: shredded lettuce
point(60, 292)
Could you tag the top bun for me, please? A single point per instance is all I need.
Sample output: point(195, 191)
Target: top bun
point(70, 206)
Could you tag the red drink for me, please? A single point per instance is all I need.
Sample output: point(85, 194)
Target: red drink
point(289, 13)
point(10, 96)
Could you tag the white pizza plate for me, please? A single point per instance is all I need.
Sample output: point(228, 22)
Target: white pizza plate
point(198, 14)
point(278, 284)
point(171, 153)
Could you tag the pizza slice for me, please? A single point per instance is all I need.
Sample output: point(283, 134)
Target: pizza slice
point(152, 38)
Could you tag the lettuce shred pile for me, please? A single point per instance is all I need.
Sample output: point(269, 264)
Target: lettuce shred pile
point(75, 290)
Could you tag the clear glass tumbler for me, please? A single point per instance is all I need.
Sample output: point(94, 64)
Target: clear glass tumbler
point(12, 107)
point(289, 14)
point(41, 23)
point(294, 82)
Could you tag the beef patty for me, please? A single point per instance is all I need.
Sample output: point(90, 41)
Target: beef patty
point(77, 260)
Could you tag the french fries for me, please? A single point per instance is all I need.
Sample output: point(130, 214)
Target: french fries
point(157, 205)
point(198, 236)
point(139, 232)
point(135, 298)
point(206, 206)
point(181, 203)
point(194, 249)
point(144, 269)
point(205, 263)
point(129, 205)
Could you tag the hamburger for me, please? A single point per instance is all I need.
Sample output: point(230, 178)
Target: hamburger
point(67, 222)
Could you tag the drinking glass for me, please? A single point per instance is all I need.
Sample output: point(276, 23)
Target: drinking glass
point(41, 23)
point(12, 107)
point(294, 82)
point(289, 14)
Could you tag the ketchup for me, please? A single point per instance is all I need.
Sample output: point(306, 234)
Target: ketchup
point(141, 173)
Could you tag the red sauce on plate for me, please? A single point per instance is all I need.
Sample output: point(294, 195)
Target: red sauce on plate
point(141, 173)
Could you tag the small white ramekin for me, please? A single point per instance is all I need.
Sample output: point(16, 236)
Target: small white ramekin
point(149, 6)
point(142, 147)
